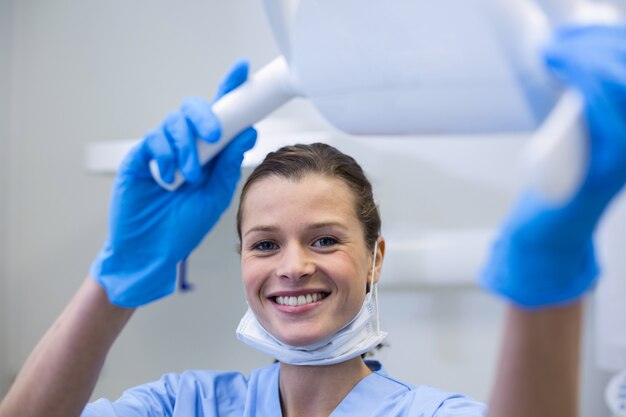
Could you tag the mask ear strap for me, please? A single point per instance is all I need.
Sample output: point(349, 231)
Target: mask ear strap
point(374, 265)
point(374, 286)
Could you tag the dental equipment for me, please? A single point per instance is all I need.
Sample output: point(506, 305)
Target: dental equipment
point(411, 67)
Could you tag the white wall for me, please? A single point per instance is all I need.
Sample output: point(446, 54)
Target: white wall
point(5, 98)
point(91, 71)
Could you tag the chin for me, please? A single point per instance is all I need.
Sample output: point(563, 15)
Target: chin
point(299, 339)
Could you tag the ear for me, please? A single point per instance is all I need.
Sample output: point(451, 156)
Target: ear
point(380, 255)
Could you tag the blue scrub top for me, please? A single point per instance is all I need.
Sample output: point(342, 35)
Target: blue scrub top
point(230, 394)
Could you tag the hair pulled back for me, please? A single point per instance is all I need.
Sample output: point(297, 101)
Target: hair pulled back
point(296, 161)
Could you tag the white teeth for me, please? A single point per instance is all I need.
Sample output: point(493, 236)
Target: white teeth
point(299, 300)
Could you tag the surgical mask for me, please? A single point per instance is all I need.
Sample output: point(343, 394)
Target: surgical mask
point(357, 337)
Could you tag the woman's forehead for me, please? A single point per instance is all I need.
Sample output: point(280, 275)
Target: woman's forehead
point(315, 197)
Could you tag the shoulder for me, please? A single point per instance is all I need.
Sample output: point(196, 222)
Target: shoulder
point(440, 403)
point(426, 401)
point(405, 400)
point(177, 394)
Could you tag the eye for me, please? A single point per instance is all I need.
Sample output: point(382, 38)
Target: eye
point(265, 246)
point(325, 242)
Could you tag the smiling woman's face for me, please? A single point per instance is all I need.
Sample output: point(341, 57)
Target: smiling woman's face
point(304, 260)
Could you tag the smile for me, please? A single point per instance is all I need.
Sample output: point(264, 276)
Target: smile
point(300, 300)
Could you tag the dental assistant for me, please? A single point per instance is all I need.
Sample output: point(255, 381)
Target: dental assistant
point(311, 258)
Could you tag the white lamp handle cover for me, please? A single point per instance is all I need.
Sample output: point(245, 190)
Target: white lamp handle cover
point(265, 91)
point(555, 158)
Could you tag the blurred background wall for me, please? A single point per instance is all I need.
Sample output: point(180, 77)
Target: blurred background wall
point(5, 130)
point(78, 71)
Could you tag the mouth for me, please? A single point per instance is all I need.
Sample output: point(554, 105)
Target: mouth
point(300, 299)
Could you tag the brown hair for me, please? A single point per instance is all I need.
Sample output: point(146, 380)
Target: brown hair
point(295, 162)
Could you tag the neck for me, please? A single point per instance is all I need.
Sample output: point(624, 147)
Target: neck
point(315, 391)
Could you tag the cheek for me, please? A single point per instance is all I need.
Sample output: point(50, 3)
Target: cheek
point(251, 276)
point(246, 278)
point(351, 277)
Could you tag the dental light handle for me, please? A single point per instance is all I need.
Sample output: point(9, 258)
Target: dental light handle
point(556, 157)
point(265, 91)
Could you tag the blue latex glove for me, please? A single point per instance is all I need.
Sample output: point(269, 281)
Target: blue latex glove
point(545, 254)
point(151, 230)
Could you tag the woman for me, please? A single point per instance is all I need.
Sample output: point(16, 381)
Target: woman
point(311, 257)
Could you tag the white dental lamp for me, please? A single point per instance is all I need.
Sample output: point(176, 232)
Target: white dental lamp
point(418, 67)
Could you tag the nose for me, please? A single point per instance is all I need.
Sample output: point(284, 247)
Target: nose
point(295, 263)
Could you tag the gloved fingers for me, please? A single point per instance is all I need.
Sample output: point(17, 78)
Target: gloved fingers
point(155, 146)
point(592, 59)
point(182, 139)
point(225, 169)
point(200, 117)
point(573, 70)
point(237, 75)
point(601, 78)
point(591, 37)
point(597, 50)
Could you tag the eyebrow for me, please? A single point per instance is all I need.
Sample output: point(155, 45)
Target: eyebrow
point(313, 226)
point(261, 229)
